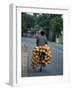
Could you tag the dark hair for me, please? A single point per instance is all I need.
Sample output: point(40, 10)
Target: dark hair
point(42, 33)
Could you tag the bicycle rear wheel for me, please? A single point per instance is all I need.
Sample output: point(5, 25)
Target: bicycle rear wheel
point(42, 57)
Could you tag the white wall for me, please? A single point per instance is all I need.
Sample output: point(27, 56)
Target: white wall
point(4, 41)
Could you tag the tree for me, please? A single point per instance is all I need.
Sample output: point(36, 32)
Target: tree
point(56, 24)
point(43, 21)
point(27, 22)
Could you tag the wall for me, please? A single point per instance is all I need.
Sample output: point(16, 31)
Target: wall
point(4, 41)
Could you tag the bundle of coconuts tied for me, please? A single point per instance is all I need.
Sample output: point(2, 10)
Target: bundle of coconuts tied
point(36, 58)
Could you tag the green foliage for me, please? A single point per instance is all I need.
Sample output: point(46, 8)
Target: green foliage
point(52, 24)
point(57, 24)
point(27, 21)
point(43, 20)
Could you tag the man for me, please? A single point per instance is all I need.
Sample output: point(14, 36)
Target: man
point(41, 39)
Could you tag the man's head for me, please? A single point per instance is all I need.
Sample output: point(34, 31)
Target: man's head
point(42, 33)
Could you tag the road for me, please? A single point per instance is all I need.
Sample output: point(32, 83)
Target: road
point(56, 66)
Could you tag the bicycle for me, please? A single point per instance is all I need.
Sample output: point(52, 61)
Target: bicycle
point(41, 58)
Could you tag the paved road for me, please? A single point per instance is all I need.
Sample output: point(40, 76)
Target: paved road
point(56, 66)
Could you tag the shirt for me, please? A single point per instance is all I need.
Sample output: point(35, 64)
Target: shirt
point(41, 40)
